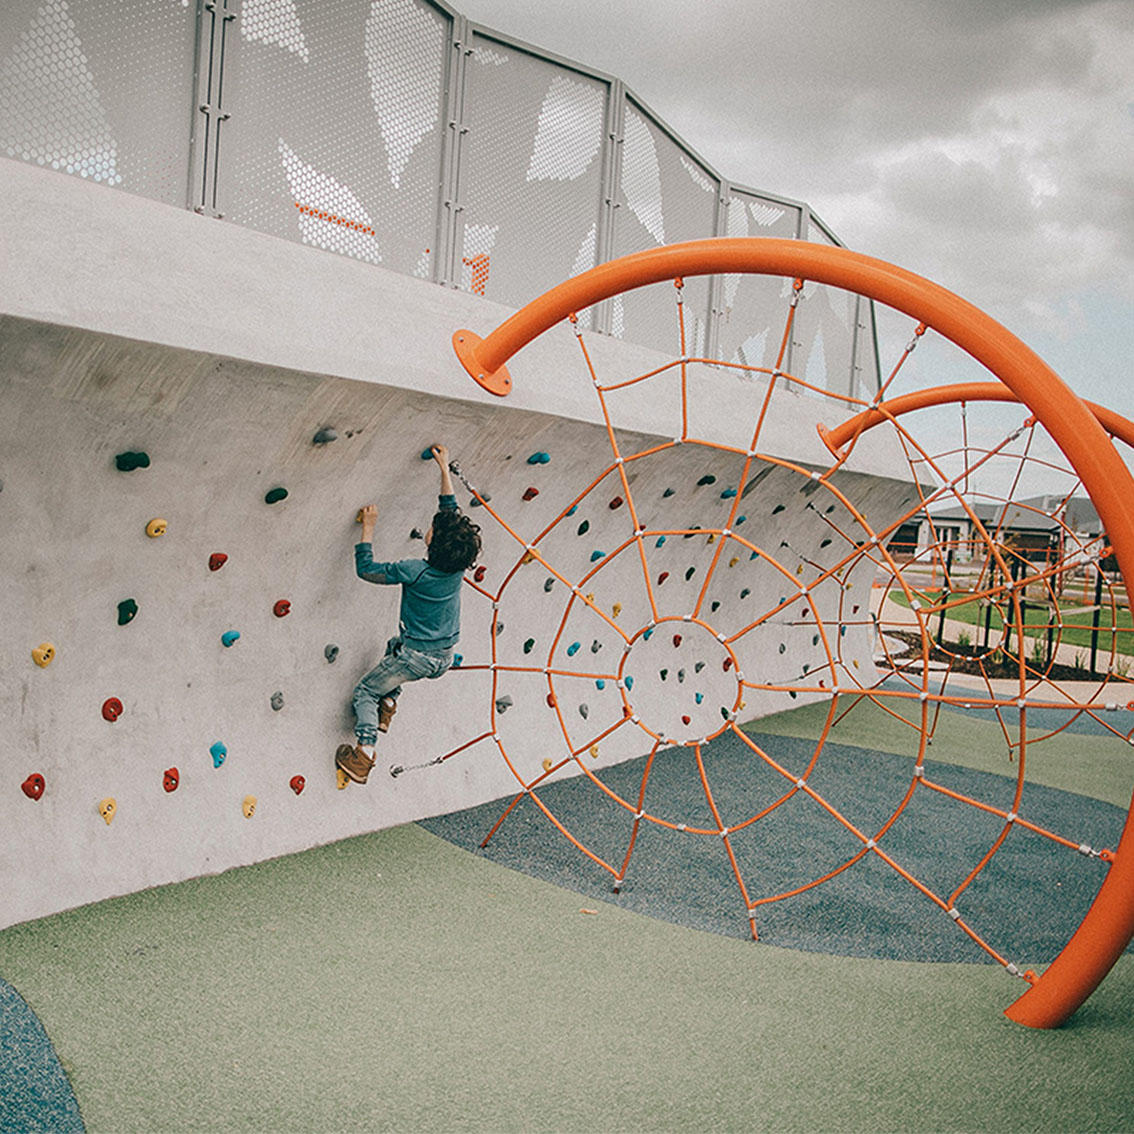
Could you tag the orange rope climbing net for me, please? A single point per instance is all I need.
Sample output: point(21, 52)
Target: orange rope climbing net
point(837, 611)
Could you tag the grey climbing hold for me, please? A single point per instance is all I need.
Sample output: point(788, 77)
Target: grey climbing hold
point(325, 435)
point(680, 676)
point(277, 700)
point(416, 533)
point(330, 652)
point(548, 584)
point(668, 492)
point(698, 667)
point(584, 711)
point(596, 645)
point(503, 704)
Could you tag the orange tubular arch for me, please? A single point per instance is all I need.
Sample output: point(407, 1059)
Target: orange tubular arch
point(1108, 925)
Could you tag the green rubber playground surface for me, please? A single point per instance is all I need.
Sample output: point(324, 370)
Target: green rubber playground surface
point(396, 981)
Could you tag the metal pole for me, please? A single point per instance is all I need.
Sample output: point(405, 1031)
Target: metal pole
point(1095, 620)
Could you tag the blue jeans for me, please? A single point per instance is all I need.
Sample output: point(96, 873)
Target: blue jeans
point(400, 664)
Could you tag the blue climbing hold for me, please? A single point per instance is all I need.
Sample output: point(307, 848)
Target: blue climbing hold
point(600, 684)
point(648, 634)
point(595, 555)
point(218, 753)
point(573, 509)
point(661, 540)
point(228, 637)
point(699, 697)
point(573, 649)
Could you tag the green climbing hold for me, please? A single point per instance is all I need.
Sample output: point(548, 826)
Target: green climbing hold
point(528, 645)
point(275, 496)
point(778, 508)
point(127, 608)
point(707, 479)
point(584, 527)
point(690, 573)
point(128, 462)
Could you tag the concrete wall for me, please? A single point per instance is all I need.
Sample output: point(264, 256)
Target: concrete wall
point(220, 352)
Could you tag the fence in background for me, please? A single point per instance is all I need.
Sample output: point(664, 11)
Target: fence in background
point(397, 132)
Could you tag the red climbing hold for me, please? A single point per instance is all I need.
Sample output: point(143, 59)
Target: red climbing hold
point(617, 502)
point(531, 494)
point(111, 709)
point(478, 574)
point(677, 639)
point(727, 664)
point(551, 700)
point(685, 720)
point(217, 560)
point(297, 784)
point(33, 786)
point(662, 577)
point(282, 608)
point(170, 779)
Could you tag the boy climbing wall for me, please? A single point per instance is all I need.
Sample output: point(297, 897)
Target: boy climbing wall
point(429, 621)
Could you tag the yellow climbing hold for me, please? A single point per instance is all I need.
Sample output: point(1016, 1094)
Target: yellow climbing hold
point(108, 808)
point(43, 655)
point(547, 764)
point(342, 777)
point(616, 610)
point(156, 527)
point(594, 751)
point(529, 557)
point(248, 806)
point(734, 561)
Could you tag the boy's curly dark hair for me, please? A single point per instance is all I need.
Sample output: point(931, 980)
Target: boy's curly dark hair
point(455, 543)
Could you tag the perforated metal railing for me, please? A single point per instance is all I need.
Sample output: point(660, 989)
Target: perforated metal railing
point(398, 133)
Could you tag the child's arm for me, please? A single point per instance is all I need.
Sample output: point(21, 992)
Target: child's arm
point(441, 456)
point(364, 564)
point(368, 517)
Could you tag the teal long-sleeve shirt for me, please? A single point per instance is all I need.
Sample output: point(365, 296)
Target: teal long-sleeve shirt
point(430, 614)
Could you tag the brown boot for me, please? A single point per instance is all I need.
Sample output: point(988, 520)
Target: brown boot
point(387, 707)
point(354, 762)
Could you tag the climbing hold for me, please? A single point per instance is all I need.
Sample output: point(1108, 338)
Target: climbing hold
point(712, 537)
point(699, 697)
point(478, 574)
point(538, 459)
point(596, 645)
point(594, 751)
point(531, 493)
point(548, 584)
point(824, 542)
point(660, 541)
point(777, 509)
point(457, 659)
point(662, 577)
point(708, 478)
point(664, 674)
point(529, 557)
point(342, 780)
point(677, 640)
point(698, 667)
point(156, 527)
point(596, 555)
point(617, 502)
point(573, 509)
point(547, 764)
point(228, 637)
point(498, 627)
point(33, 786)
point(427, 454)
point(690, 573)
point(330, 652)
point(649, 633)
point(281, 608)
point(680, 675)
point(854, 662)
point(108, 808)
point(297, 784)
point(503, 704)
point(275, 495)
point(248, 806)
point(728, 494)
point(842, 631)
point(128, 462)
point(528, 645)
point(815, 639)
point(324, 436)
point(734, 561)
point(739, 520)
point(714, 606)
point(43, 655)
point(854, 609)
point(127, 608)
point(583, 528)
point(727, 664)
point(573, 649)
point(745, 593)
point(217, 560)
point(685, 720)
point(616, 610)
point(276, 701)
point(416, 533)
point(551, 702)
point(218, 753)
point(724, 712)
point(599, 683)
point(629, 682)
point(668, 492)
point(170, 778)
point(584, 711)
point(111, 709)
point(783, 647)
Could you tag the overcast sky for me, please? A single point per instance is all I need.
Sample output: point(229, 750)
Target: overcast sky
point(986, 144)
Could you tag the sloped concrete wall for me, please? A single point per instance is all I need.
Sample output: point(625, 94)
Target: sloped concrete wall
point(220, 353)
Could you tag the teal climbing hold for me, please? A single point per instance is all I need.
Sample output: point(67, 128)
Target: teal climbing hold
point(539, 459)
point(629, 682)
point(275, 496)
point(699, 697)
point(815, 639)
point(229, 637)
point(127, 608)
point(218, 753)
point(585, 526)
point(596, 555)
point(573, 509)
point(660, 541)
point(739, 520)
point(728, 494)
point(573, 649)
point(648, 634)
point(600, 684)
point(457, 659)
point(427, 454)
point(128, 462)
point(325, 436)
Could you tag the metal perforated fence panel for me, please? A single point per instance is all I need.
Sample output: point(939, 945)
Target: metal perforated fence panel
point(531, 172)
point(395, 132)
point(101, 90)
point(336, 126)
point(665, 196)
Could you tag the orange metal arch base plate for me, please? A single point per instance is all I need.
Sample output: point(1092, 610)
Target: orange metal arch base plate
point(498, 381)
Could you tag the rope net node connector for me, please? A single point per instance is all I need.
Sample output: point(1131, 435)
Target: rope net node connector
point(812, 600)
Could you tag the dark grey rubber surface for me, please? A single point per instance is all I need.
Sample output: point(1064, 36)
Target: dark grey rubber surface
point(35, 1093)
point(1026, 902)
